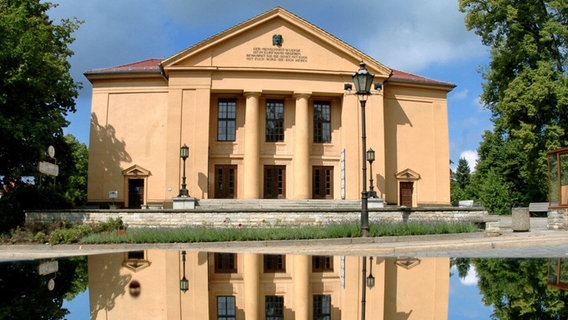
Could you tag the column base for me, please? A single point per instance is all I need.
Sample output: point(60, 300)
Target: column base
point(375, 203)
point(183, 203)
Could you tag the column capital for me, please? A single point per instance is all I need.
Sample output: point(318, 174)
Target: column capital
point(302, 94)
point(252, 93)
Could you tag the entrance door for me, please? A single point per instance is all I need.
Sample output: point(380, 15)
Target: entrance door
point(322, 182)
point(225, 181)
point(135, 193)
point(406, 189)
point(274, 182)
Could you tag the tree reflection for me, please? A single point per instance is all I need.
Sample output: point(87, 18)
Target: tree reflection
point(517, 288)
point(25, 294)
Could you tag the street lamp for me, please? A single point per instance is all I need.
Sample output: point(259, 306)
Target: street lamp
point(370, 278)
point(371, 158)
point(363, 80)
point(183, 283)
point(183, 153)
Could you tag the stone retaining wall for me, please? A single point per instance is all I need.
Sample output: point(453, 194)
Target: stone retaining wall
point(255, 217)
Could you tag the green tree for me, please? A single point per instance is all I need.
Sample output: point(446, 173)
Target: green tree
point(526, 89)
point(36, 88)
point(25, 294)
point(460, 187)
point(67, 190)
point(463, 173)
point(74, 171)
point(517, 289)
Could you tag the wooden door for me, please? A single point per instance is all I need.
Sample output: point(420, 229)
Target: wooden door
point(274, 182)
point(135, 193)
point(406, 190)
point(225, 181)
point(322, 182)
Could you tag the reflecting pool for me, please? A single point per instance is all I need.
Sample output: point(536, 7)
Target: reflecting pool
point(172, 284)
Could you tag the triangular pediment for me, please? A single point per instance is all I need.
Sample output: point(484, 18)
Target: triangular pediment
point(254, 46)
point(135, 171)
point(408, 174)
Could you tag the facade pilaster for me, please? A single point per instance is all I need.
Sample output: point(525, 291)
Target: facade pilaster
point(302, 286)
point(251, 279)
point(302, 148)
point(252, 146)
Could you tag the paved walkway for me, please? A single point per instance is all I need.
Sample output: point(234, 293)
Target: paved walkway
point(538, 242)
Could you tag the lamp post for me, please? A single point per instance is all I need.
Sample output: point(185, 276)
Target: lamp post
point(370, 278)
point(183, 283)
point(184, 154)
point(371, 158)
point(363, 80)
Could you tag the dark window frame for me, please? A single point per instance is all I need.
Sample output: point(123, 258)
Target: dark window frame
point(226, 313)
point(322, 263)
point(225, 262)
point(322, 307)
point(226, 120)
point(274, 131)
point(274, 263)
point(322, 122)
point(274, 307)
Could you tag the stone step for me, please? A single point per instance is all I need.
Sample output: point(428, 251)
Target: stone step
point(276, 204)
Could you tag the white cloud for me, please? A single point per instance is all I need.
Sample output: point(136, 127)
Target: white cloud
point(460, 95)
point(471, 157)
point(471, 278)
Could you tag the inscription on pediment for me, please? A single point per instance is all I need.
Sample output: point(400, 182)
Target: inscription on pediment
point(276, 54)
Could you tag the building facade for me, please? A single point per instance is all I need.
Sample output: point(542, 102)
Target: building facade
point(146, 285)
point(263, 110)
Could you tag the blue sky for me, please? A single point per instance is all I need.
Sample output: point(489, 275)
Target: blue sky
point(427, 37)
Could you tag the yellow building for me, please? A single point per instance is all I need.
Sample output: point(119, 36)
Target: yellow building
point(263, 110)
point(146, 285)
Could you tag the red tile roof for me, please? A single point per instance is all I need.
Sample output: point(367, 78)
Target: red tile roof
point(401, 76)
point(153, 65)
point(148, 65)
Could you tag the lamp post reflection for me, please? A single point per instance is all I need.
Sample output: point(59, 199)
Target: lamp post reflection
point(183, 283)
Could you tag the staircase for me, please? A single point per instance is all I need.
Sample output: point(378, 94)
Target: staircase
point(277, 204)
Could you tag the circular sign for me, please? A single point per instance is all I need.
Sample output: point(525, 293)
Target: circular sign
point(51, 151)
point(51, 284)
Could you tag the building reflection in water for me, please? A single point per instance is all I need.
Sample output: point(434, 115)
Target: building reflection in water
point(146, 285)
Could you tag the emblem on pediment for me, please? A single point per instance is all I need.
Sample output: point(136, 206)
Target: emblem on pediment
point(277, 40)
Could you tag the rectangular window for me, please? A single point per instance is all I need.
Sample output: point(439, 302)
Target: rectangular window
point(274, 263)
point(322, 122)
point(322, 307)
point(226, 309)
point(225, 263)
point(322, 263)
point(274, 120)
point(274, 307)
point(226, 120)
point(322, 182)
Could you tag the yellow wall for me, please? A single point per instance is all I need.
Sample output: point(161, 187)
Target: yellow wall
point(419, 292)
point(144, 119)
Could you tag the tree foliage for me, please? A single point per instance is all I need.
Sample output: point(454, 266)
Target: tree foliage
point(526, 89)
point(36, 88)
point(67, 190)
point(460, 184)
point(517, 289)
point(25, 294)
